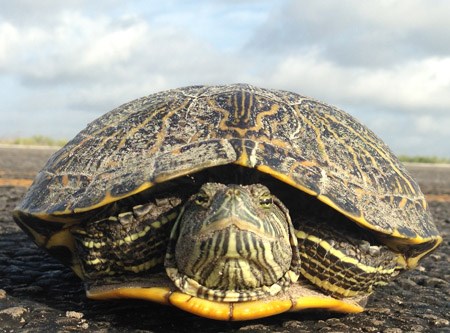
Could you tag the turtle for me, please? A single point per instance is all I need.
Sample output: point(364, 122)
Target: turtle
point(231, 202)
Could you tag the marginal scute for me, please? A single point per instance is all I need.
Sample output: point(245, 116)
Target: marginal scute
point(406, 232)
point(191, 158)
point(128, 183)
point(345, 201)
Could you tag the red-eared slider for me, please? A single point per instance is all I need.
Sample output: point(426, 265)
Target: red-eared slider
point(231, 202)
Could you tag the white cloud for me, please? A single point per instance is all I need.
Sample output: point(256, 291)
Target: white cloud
point(67, 64)
point(93, 64)
point(8, 42)
point(415, 86)
point(358, 33)
point(119, 55)
point(76, 46)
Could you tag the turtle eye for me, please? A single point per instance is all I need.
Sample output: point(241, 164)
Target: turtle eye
point(266, 200)
point(201, 199)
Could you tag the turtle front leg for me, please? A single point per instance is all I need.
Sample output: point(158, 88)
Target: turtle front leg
point(127, 246)
point(342, 260)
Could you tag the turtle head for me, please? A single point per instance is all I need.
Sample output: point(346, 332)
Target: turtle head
point(232, 242)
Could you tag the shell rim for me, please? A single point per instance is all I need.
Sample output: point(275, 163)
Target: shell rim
point(66, 216)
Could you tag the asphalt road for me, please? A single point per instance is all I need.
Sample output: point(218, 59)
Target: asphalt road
point(39, 294)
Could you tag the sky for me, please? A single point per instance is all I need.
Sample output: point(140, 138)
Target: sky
point(386, 62)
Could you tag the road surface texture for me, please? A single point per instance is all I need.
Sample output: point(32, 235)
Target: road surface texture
point(37, 294)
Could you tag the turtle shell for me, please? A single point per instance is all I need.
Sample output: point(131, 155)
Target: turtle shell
point(309, 145)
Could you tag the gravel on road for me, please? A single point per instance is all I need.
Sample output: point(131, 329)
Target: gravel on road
point(37, 293)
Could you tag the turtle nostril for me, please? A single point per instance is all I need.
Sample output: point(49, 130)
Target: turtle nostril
point(233, 192)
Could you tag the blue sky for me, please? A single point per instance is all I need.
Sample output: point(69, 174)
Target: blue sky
point(387, 62)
